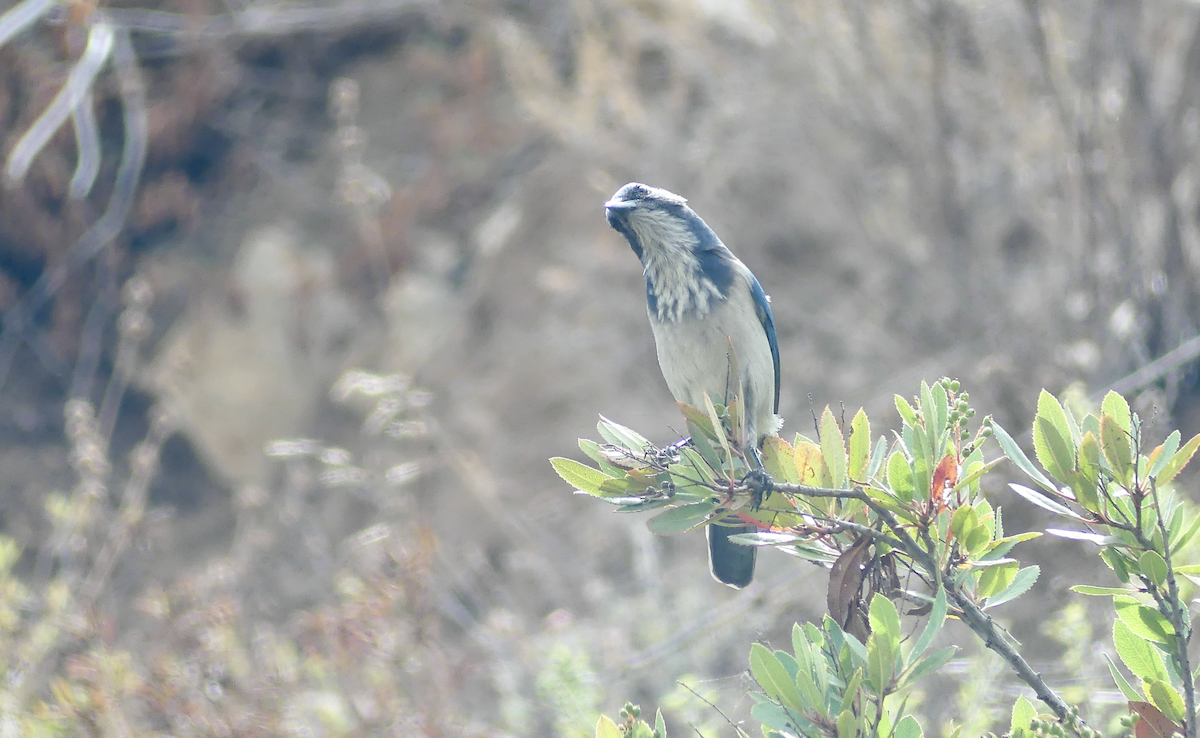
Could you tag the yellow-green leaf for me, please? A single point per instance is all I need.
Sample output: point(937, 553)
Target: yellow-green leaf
point(606, 728)
point(1153, 566)
point(810, 467)
point(1137, 654)
point(884, 618)
point(1164, 453)
point(1179, 460)
point(996, 579)
point(1163, 696)
point(899, 476)
point(1085, 491)
point(680, 519)
point(1053, 451)
point(779, 458)
point(833, 449)
point(847, 724)
point(1052, 437)
point(907, 414)
point(1142, 620)
point(860, 445)
point(773, 678)
point(580, 476)
point(1116, 407)
point(1114, 442)
point(1089, 457)
point(1023, 713)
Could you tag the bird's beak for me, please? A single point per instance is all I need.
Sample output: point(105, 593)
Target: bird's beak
point(619, 205)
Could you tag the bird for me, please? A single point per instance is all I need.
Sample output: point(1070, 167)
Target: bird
point(702, 300)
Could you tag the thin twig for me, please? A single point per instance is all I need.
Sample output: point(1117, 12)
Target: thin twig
point(719, 711)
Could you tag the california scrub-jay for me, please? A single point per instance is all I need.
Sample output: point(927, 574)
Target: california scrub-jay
point(701, 299)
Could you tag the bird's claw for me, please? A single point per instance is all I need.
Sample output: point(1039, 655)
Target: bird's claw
point(760, 484)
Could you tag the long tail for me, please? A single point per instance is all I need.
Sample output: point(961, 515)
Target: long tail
point(730, 563)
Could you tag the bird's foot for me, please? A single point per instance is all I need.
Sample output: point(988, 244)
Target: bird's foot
point(760, 484)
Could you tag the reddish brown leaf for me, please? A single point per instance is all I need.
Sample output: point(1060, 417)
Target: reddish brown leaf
point(944, 477)
point(1153, 724)
point(845, 581)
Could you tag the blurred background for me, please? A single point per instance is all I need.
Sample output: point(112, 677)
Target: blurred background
point(243, 539)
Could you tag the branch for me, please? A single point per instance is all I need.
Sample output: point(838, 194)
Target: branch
point(1181, 622)
point(980, 623)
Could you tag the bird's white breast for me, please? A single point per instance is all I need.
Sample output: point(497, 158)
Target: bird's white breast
point(707, 367)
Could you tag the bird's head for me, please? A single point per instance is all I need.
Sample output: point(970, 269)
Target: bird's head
point(686, 265)
point(651, 219)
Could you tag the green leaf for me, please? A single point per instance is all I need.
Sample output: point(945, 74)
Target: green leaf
point(681, 519)
point(774, 716)
point(996, 579)
point(1178, 542)
point(702, 447)
point(1023, 713)
point(922, 462)
point(580, 476)
point(1116, 562)
point(606, 728)
point(851, 692)
point(1166, 699)
point(833, 449)
point(1018, 457)
point(1164, 453)
point(1137, 654)
point(1089, 457)
point(1128, 691)
point(779, 458)
point(934, 412)
point(715, 419)
point(1115, 406)
point(1179, 460)
point(908, 727)
point(1001, 546)
point(1045, 502)
point(813, 697)
point(975, 473)
point(1085, 490)
point(878, 457)
point(1020, 584)
point(773, 678)
point(899, 476)
point(619, 435)
point(931, 663)
point(881, 662)
point(660, 725)
point(1088, 589)
point(937, 618)
point(1115, 444)
point(595, 452)
point(1052, 437)
point(1153, 566)
point(847, 724)
point(978, 539)
point(1054, 453)
point(963, 521)
point(1142, 620)
point(860, 446)
point(884, 619)
point(907, 414)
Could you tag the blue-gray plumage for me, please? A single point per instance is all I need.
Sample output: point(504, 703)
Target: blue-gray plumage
point(701, 300)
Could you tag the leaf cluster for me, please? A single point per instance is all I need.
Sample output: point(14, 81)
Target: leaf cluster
point(1097, 477)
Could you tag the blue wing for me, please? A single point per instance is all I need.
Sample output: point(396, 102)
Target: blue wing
point(762, 307)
